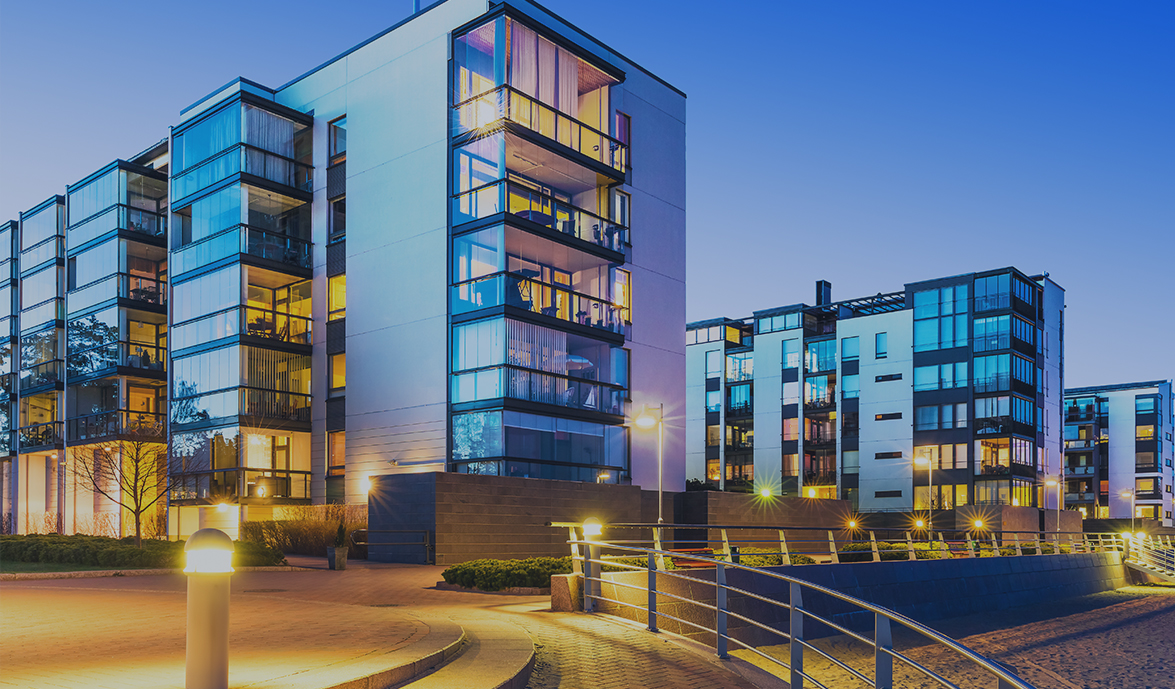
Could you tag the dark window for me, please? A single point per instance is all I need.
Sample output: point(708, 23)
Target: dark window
point(338, 140)
point(890, 376)
point(338, 218)
point(623, 128)
point(887, 494)
point(888, 417)
point(887, 455)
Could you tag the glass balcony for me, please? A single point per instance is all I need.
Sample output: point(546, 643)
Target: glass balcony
point(7, 385)
point(118, 217)
point(42, 253)
point(45, 312)
point(1079, 471)
point(275, 405)
point(41, 374)
point(293, 485)
point(249, 160)
point(508, 197)
point(242, 239)
point(511, 289)
point(536, 386)
point(39, 435)
point(274, 325)
point(114, 423)
point(483, 112)
point(1080, 444)
point(996, 383)
point(134, 355)
point(123, 285)
point(206, 487)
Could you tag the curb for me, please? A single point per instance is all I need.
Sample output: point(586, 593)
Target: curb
point(97, 573)
point(512, 591)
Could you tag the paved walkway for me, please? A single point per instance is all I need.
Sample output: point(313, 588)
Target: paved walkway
point(83, 632)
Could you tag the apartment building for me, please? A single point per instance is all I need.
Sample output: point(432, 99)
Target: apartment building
point(945, 393)
point(481, 208)
point(1118, 450)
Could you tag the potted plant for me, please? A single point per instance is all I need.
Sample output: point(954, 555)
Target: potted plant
point(336, 557)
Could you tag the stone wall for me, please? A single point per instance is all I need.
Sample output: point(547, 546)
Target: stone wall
point(743, 509)
point(925, 590)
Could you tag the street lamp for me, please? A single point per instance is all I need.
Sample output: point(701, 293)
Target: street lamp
point(929, 486)
point(603, 476)
point(1056, 482)
point(209, 567)
point(646, 420)
point(1130, 494)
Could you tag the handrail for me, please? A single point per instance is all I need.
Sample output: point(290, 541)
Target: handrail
point(556, 301)
point(882, 641)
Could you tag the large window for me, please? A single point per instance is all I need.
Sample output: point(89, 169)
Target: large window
point(206, 294)
point(740, 367)
point(952, 456)
point(338, 373)
point(40, 287)
point(337, 297)
point(791, 353)
point(881, 345)
point(494, 434)
point(993, 292)
point(785, 321)
point(204, 140)
point(850, 348)
point(940, 318)
point(992, 333)
point(820, 356)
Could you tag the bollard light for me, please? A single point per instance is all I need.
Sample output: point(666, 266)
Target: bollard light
point(209, 555)
point(765, 492)
point(222, 507)
point(592, 527)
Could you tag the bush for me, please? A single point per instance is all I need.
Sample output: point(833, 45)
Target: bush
point(100, 551)
point(863, 552)
point(751, 557)
point(308, 529)
point(495, 575)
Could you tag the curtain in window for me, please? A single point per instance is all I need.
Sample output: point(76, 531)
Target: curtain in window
point(546, 65)
point(536, 347)
point(568, 83)
point(523, 59)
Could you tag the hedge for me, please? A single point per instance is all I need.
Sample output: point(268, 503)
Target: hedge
point(308, 529)
point(766, 557)
point(114, 552)
point(495, 575)
point(863, 552)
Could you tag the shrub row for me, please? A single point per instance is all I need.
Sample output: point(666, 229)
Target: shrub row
point(863, 552)
point(100, 551)
point(495, 575)
point(308, 530)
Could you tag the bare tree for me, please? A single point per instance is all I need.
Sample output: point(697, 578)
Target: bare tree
point(133, 473)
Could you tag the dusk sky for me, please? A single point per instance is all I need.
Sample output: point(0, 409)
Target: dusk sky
point(866, 143)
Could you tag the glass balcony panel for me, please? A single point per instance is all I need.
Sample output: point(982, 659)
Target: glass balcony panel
point(42, 374)
point(127, 286)
point(40, 435)
point(275, 247)
point(116, 217)
point(535, 386)
point(36, 316)
point(206, 329)
point(276, 168)
point(45, 251)
point(549, 300)
point(113, 423)
point(207, 173)
point(293, 485)
point(275, 325)
point(132, 355)
point(275, 405)
point(211, 487)
point(541, 209)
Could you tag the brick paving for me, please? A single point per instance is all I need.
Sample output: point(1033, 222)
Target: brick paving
point(84, 632)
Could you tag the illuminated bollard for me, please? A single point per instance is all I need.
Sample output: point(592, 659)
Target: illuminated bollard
point(210, 556)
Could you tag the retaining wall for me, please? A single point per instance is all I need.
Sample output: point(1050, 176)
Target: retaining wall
point(925, 590)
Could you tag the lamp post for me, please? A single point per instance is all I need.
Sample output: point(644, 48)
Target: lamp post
point(1130, 494)
point(209, 567)
point(929, 488)
point(1056, 482)
point(646, 420)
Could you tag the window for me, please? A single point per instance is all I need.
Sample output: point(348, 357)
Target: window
point(624, 129)
point(881, 345)
point(740, 367)
point(887, 455)
point(1146, 486)
point(713, 400)
point(1023, 290)
point(943, 376)
point(888, 417)
point(338, 140)
point(791, 429)
point(1023, 330)
point(1022, 369)
point(621, 207)
point(713, 435)
point(336, 453)
point(740, 399)
point(1144, 405)
point(926, 418)
point(992, 333)
point(850, 348)
point(851, 386)
point(338, 218)
point(338, 372)
point(714, 363)
point(887, 494)
point(993, 292)
point(786, 321)
point(992, 373)
point(961, 415)
point(850, 461)
point(337, 297)
point(820, 356)
point(887, 377)
point(940, 318)
point(1144, 432)
point(791, 353)
point(791, 392)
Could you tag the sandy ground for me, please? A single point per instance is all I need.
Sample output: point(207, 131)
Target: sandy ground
point(1122, 639)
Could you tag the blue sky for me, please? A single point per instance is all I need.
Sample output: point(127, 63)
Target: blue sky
point(866, 143)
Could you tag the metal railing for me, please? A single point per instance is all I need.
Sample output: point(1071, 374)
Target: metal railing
point(118, 422)
point(519, 291)
point(39, 435)
point(243, 158)
point(275, 325)
point(241, 239)
point(136, 355)
point(509, 197)
point(1153, 554)
point(519, 383)
point(798, 615)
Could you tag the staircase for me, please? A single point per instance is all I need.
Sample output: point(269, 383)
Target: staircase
point(1155, 557)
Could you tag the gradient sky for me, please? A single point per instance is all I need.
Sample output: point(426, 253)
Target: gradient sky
point(866, 143)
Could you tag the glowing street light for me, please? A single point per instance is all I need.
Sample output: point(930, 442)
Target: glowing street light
point(646, 420)
point(919, 461)
point(765, 492)
point(603, 476)
point(1056, 482)
point(978, 523)
point(1130, 494)
point(209, 566)
point(811, 492)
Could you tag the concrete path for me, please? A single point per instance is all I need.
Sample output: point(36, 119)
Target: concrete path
point(319, 628)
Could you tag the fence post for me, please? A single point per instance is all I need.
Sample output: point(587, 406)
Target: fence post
point(784, 556)
point(832, 548)
point(970, 547)
point(1039, 549)
point(995, 546)
point(657, 546)
point(652, 592)
point(725, 545)
point(576, 563)
point(909, 547)
point(945, 546)
point(882, 660)
point(1019, 550)
point(720, 627)
point(591, 583)
point(796, 635)
point(873, 546)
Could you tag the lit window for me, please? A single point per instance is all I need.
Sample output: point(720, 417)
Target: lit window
point(338, 140)
point(336, 450)
point(338, 372)
point(337, 297)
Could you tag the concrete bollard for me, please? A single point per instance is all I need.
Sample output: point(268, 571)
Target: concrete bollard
point(209, 569)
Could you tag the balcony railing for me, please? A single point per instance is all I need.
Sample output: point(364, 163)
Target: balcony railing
point(275, 325)
point(47, 250)
point(275, 405)
point(293, 485)
point(1080, 444)
point(7, 385)
point(511, 289)
point(247, 159)
point(263, 484)
point(133, 355)
point(508, 197)
point(1075, 415)
point(505, 103)
point(46, 311)
point(537, 386)
point(993, 425)
point(41, 374)
point(113, 423)
point(995, 301)
point(39, 435)
point(996, 383)
point(1078, 497)
point(124, 285)
point(820, 402)
point(1080, 471)
point(117, 217)
point(242, 239)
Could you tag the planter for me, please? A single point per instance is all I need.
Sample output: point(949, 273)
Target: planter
point(336, 558)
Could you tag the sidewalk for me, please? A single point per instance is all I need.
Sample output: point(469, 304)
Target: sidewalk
point(87, 632)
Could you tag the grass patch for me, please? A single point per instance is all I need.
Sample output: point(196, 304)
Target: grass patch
point(100, 552)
